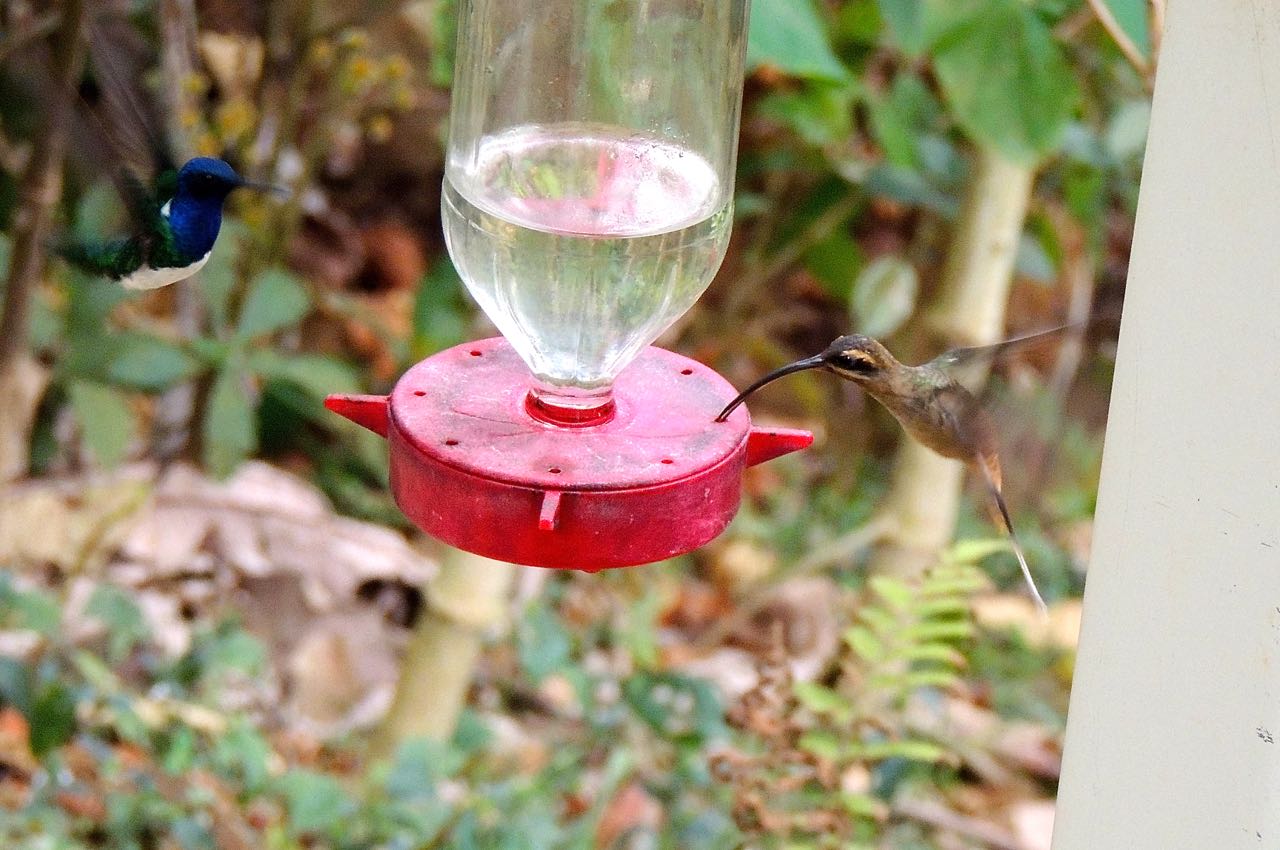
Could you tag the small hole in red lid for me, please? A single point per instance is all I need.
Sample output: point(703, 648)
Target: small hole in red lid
point(475, 353)
point(419, 393)
point(555, 470)
point(451, 442)
point(667, 460)
point(686, 371)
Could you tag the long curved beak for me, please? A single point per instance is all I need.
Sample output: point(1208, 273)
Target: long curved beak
point(270, 188)
point(814, 362)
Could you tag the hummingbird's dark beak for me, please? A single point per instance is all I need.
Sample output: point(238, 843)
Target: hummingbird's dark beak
point(270, 188)
point(798, 366)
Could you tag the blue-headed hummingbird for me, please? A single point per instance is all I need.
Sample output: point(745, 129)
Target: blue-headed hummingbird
point(175, 212)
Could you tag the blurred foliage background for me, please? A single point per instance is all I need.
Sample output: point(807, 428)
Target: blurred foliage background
point(216, 630)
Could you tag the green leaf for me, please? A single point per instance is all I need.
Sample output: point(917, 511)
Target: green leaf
point(315, 801)
point(1033, 261)
point(471, 735)
point(788, 35)
point(911, 750)
point(906, 22)
point(822, 700)
point(1131, 15)
point(28, 609)
point(218, 277)
point(867, 645)
point(542, 642)
point(862, 805)
point(825, 745)
point(244, 755)
point(835, 262)
point(884, 296)
point(930, 679)
point(898, 594)
point(676, 706)
point(15, 684)
point(52, 719)
point(230, 433)
point(95, 672)
point(639, 630)
point(903, 120)
point(150, 364)
point(1126, 134)
point(858, 23)
point(233, 651)
point(416, 765)
point(942, 607)
point(318, 374)
point(820, 113)
point(188, 831)
point(443, 42)
point(941, 630)
point(439, 317)
point(179, 756)
point(275, 301)
point(1005, 78)
point(126, 627)
point(106, 420)
point(939, 652)
point(975, 551)
point(881, 621)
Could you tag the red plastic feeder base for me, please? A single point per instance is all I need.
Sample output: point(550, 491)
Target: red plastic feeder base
point(473, 467)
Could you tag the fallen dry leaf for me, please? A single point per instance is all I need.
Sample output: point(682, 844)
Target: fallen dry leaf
point(15, 742)
point(22, 385)
point(1005, 611)
point(1033, 823)
point(632, 808)
point(741, 562)
point(265, 543)
point(395, 255)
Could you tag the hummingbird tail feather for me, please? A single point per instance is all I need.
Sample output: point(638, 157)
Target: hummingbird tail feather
point(1017, 548)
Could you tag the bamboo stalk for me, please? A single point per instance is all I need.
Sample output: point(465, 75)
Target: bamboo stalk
point(924, 493)
point(468, 600)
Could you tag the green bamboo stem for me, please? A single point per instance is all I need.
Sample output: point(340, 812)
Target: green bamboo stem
point(924, 493)
point(467, 600)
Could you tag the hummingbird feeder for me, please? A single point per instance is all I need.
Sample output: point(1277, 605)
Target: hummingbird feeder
point(587, 204)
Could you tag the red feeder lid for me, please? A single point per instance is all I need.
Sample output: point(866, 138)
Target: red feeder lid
point(472, 466)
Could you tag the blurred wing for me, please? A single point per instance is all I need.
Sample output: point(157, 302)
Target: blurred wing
point(123, 133)
point(965, 356)
point(121, 59)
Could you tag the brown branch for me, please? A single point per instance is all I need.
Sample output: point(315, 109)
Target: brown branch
point(1121, 38)
point(39, 189)
point(940, 817)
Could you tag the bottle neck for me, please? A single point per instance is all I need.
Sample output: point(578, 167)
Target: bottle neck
point(570, 407)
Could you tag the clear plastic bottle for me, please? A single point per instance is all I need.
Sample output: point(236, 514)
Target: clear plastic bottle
point(588, 190)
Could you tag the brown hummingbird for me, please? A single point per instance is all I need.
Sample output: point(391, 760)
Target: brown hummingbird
point(930, 404)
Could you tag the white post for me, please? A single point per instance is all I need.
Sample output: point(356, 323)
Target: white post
point(1173, 738)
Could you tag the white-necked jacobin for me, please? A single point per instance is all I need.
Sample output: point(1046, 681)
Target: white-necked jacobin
point(175, 213)
point(175, 226)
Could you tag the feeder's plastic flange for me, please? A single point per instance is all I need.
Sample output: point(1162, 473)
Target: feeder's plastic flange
point(473, 467)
